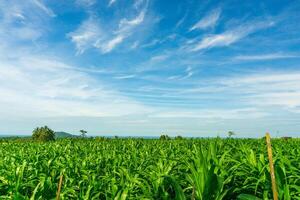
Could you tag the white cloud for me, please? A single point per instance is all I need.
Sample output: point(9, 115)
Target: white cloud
point(23, 21)
point(180, 22)
point(111, 2)
point(263, 90)
point(224, 39)
point(266, 77)
point(268, 89)
point(291, 100)
point(87, 35)
point(189, 72)
point(25, 33)
point(91, 34)
point(231, 36)
point(125, 76)
point(34, 86)
point(42, 6)
point(207, 21)
point(108, 46)
point(159, 58)
point(216, 114)
point(86, 2)
point(135, 45)
point(138, 3)
point(272, 56)
point(125, 25)
point(152, 43)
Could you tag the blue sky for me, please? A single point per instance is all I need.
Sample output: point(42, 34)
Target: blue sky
point(146, 67)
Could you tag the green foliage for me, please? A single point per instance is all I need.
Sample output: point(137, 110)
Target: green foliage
point(43, 134)
point(247, 197)
point(178, 137)
point(83, 133)
point(164, 137)
point(231, 133)
point(108, 168)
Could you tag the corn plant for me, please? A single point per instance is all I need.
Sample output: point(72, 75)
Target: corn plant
point(119, 169)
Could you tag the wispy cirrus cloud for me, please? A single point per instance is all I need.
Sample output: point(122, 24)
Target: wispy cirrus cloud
point(134, 45)
point(47, 87)
point(263, 90)
point(138, 3)
point(230, 36)
point(42, 6)
point(188, 73)
point(152, 43)
point(156, 41)
point(271, 56)
point(90, 33)
point(87, 35)
point(181, 90)
point(260, 89)
point(124, 31)
point(125, 76)
point(181, 20)
point(111, 2)
point(126, 25)
point(86, 2)
point(215, 114)
point(208, 21)
point(158, 58)
point(110, 44)
point(23, 22)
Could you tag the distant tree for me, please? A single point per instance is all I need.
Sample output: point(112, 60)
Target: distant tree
point(83, 133)
point(286, 137)
point(100, 138)
point(178, 137)
point(164, 137)
point(231, 133)
point(43, 134)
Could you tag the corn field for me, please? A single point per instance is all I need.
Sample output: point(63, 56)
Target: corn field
point(202, 169)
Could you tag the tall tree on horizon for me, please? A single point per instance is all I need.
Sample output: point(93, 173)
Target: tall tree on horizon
point(231, 133)
point(83, 133)
point(43, 134)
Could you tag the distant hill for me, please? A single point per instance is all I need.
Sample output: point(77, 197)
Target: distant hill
point(64, 135)
point(14, 136)
point(60, 134)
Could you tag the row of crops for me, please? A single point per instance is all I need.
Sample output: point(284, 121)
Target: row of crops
point(204, 169)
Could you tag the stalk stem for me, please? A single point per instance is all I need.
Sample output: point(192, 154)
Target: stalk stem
point(272, 173)
point(59, 187)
